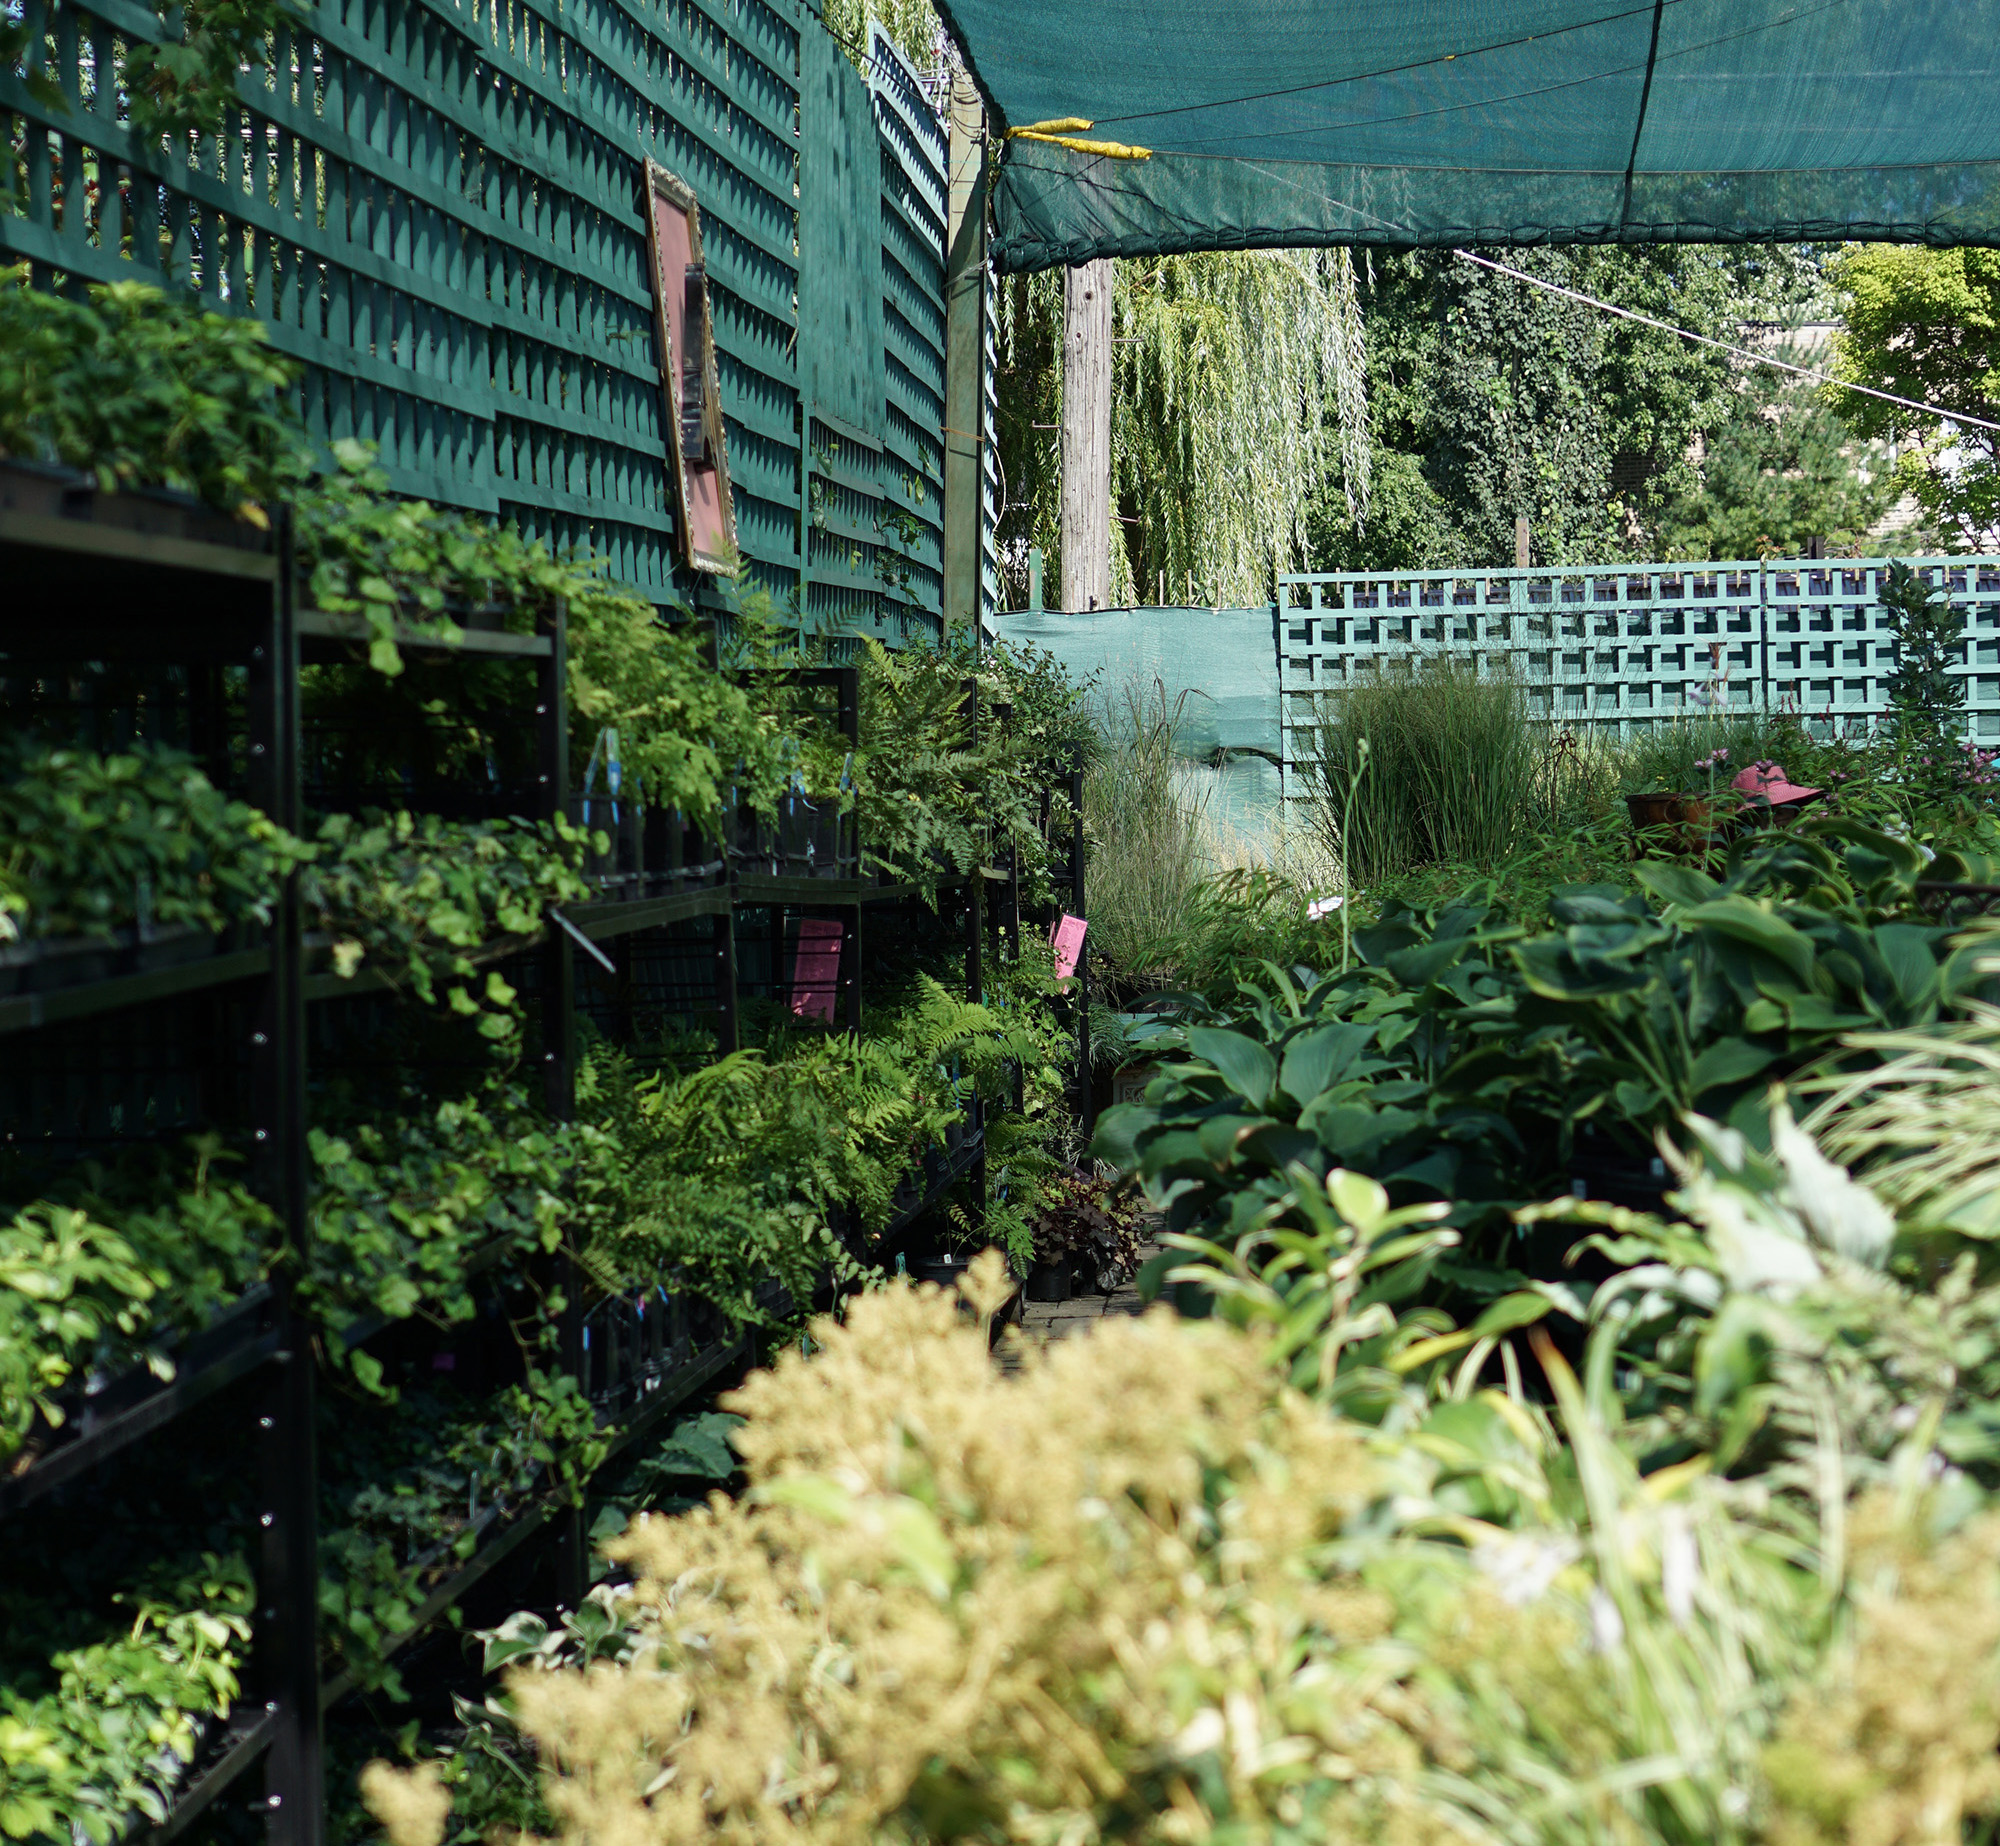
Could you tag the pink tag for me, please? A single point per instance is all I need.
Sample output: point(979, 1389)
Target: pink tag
point(1068, 939)
point(816, 968)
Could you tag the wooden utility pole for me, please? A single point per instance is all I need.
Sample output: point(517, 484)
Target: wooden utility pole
point(965, 349)
point(1086, 437)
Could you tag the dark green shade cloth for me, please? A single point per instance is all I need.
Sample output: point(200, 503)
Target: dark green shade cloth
point(1508, 122)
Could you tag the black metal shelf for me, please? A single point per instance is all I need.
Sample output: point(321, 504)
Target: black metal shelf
point(136, 1403)
point(327, 625)
point(242, 1743)
point(142, 580)
point(99, 544)
point(957, 1164)
point(606, 917)
point(162, 581)
point(63, 1001)
point(543, 1507)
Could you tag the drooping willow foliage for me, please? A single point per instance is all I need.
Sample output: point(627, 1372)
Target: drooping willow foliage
point(1241, 380)
point(1239, 386)
point(911, 24)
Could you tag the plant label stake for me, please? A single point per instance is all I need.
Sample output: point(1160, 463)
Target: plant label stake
point(1067, 940)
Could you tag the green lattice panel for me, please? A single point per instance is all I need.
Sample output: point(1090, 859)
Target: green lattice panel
point(433, 204)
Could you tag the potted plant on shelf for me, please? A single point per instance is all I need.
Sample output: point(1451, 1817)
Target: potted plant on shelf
point(1086, 1237)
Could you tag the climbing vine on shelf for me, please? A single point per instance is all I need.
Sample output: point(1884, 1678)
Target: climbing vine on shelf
point(403, 1208)
point(683, 728)
point(425, 901)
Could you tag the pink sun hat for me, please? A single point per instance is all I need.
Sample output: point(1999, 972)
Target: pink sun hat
point(1765, 781)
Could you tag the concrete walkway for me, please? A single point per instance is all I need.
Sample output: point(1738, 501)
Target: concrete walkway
point(1042, 1321)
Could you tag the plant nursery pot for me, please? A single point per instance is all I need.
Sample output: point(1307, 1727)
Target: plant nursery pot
point(1678, 824)
point(944, 1267)
point(1049, 1282)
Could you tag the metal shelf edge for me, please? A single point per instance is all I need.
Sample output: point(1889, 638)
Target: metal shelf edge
point(94, 539)
point(673, 1391)
point(537, 1514)
point(25, 1012)
point(619, 916)
point(325, 625)
point(174, 1398)
point(249, 1741)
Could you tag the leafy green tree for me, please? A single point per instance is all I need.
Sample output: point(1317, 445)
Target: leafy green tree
point(1491, 398)
point(1925, 324)
point(1779, 472)
point(1926, 699)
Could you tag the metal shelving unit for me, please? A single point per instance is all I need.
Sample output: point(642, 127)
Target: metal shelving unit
point(148, 579)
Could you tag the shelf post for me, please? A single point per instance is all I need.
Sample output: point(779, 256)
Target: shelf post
point(1086, 1101)
point(558, 1048)
point(286, 1622)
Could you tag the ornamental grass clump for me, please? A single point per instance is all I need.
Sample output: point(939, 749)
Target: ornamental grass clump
point(1438, 765)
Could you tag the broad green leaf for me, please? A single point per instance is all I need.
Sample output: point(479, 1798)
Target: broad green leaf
point(1418, 967)
point(921, 1544)
point(1522, 1309)
point(1743, 921)
point(1675, 884)
point(1728, 1060)
point(1316, 1060)
point(1906, 952)
point(1246, 1066)
point(1360, 1200)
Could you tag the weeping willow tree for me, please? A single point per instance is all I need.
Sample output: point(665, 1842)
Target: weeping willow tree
point(911, 24)
point(1238, 388)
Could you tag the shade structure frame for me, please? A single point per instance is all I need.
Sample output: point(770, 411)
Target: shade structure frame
point(1515, 123)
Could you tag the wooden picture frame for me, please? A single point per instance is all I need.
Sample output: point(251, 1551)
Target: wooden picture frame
point(697, 449)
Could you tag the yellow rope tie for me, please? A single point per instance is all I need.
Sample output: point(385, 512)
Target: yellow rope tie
point(1061, 131)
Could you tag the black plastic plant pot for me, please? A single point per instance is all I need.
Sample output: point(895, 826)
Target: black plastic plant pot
point(944, 1267)
point(1049, 1282)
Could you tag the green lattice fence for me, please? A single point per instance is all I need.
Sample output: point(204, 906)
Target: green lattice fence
point(1629, 645)
point(434, 204)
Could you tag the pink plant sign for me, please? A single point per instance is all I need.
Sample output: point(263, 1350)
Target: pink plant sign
point(1067, 937)
point(816, 968)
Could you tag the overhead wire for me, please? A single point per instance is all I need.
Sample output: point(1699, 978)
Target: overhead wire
point(1702, 339)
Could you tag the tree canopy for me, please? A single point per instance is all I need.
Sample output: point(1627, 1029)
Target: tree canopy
point(1925, 324)
point(1491, 398)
